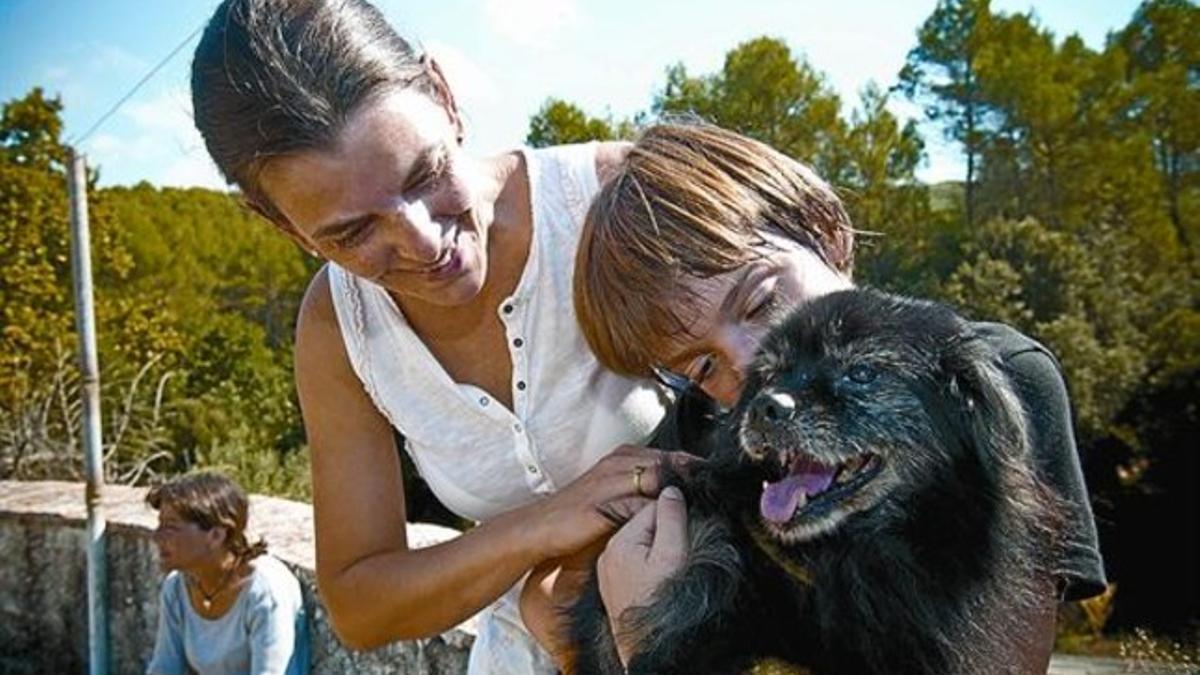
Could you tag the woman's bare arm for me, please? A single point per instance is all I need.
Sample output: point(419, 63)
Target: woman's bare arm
point(375, 588)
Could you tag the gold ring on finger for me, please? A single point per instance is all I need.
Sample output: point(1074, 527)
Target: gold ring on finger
point(637, 480)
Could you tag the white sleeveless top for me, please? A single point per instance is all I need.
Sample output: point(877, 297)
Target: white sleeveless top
point(480, 458)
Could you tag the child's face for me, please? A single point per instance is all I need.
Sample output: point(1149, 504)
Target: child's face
point(181, 543)
point(735, 310)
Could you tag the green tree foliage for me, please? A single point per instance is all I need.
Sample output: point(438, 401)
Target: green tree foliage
point(768, 94)
point(1161, 46)
point(904, 244)
point(942, 72)
point(1050, 285)
point(559, 122)
point(36, 319)
point(1086, 191)
point(195, 303)
point(1068, 167)
point(30, 129)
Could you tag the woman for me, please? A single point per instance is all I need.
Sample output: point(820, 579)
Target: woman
point(226, 606)
point(687, 253)
point(444, 313)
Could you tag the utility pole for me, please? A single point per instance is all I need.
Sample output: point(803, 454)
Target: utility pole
point(85, 323)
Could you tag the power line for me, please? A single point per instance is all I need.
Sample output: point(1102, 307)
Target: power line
point(78, 140)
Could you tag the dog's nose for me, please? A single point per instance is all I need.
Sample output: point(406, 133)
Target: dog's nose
point(772, 407)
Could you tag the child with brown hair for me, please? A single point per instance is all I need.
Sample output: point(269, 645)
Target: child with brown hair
point(226, 605)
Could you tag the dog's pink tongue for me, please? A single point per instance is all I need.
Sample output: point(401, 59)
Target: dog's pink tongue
point(780, 500)
point(814, 476)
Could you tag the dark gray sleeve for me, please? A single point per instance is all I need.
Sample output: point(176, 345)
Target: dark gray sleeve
point(1038, 379)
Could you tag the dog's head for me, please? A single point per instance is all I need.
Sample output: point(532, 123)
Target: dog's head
point(860, 399)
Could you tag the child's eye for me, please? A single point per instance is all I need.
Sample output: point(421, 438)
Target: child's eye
point(763, 301)
point(702, 368)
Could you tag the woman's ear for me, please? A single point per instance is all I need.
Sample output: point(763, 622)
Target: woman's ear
point(443, 93)
point(217, 536)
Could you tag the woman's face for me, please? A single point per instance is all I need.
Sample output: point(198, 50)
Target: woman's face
point(182, 544)
point(735, 310)
point(391, 201)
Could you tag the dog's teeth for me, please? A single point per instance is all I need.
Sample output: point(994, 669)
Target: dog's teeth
point(849, 468)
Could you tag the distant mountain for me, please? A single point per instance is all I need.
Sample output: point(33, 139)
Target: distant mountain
point(946, 195)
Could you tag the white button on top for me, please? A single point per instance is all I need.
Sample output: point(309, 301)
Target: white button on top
point(483, 401)
point(517, 427)
point(532, 468)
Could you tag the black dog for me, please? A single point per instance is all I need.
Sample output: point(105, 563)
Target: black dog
point(868, 507)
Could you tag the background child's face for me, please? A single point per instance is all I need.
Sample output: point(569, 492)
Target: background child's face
point(181, 543)
point(735, 310)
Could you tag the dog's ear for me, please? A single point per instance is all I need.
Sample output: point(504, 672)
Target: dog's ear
point(693, 423)
point(990, 412)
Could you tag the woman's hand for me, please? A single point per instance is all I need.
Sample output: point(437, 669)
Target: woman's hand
point(551, 589)
point(597, 502)
point(639, 557)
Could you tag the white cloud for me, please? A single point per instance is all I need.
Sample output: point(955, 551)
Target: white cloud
point(57, 73)
point(109, 57)
point(157, 137)
point(106, 145)
point(944, 162)
point(193, 170)
point(169, 112)
point(531, 23)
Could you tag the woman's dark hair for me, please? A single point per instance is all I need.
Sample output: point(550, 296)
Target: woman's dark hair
point(274, 77)
point(210, 500)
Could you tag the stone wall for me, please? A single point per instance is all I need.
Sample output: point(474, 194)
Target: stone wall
point(43, 593)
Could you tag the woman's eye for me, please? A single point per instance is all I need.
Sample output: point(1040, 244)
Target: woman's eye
point(355, 236)
point(861, 374)
point(435, 173)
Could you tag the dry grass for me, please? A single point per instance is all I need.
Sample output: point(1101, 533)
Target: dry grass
point(1145, 653)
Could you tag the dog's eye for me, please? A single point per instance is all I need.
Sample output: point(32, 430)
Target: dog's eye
point(861, 374)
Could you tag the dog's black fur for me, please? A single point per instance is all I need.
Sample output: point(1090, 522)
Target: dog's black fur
point(940, 552)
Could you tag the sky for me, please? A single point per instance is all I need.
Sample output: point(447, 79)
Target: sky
point(503, 58)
